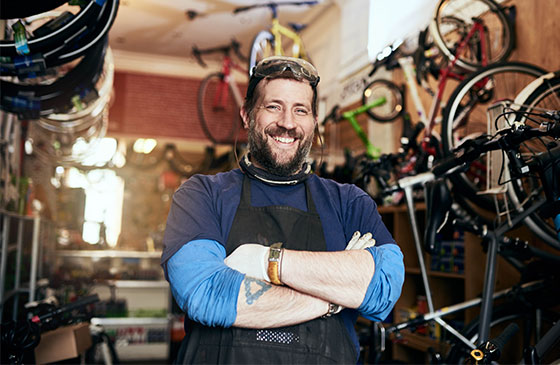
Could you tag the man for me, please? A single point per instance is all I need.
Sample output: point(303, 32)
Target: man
point(297, 301)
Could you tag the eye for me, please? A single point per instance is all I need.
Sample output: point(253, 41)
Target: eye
point(273, 107)
point(302, 111)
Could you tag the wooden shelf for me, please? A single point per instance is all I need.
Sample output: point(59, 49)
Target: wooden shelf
point(440, 274)
point(400, 208)
point(422, 343)
point(449, 275)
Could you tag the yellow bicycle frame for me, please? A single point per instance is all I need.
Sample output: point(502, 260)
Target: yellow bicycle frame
point(278, 30)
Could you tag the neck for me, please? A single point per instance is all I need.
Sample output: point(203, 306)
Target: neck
point(257, 172)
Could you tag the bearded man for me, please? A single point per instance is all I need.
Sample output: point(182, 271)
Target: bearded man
point(267, 260)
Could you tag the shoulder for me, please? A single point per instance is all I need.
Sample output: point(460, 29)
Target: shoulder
point(336, 190)
point(222, 181)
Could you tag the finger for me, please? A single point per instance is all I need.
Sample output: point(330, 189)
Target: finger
point(361, 243)
point(353, 240)
point(370, 243)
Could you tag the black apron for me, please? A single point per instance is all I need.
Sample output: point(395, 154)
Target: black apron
point(320, 341)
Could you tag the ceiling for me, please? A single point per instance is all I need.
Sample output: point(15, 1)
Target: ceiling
point(170, 28)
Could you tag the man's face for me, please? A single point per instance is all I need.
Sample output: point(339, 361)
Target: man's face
point(281, 133)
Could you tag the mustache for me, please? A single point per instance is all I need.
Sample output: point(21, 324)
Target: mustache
point(275, 130)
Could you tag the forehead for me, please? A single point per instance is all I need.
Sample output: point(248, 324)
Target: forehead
point(286, 90)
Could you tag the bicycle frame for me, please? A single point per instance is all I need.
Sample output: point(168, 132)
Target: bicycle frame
point(278, 30)
point(407, 184)
point(228, 83)
point(446, 73)
point(372, 151)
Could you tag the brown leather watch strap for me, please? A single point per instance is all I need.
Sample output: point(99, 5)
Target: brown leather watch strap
point(274, 261)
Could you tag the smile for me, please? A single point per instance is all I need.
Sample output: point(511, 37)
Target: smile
point(284, 139)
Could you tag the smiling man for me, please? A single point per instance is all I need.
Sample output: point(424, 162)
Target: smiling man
point(268, 261)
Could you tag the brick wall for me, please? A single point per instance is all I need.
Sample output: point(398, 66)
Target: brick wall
point(147, 105)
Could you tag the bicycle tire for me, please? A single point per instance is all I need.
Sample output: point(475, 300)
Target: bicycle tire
point(501, 317)
point(214, 119)
point(465, 117)
point(21, 9)
point(92, 30)
point(495, 21)
point(55, 38)
point(542, 94)
point(55, 97)
point(394, 105)
point(262, 46)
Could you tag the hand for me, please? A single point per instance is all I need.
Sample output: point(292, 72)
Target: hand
point(250, 259)
point(358, 242)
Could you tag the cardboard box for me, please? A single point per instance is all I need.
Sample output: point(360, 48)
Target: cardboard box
point(63, 343)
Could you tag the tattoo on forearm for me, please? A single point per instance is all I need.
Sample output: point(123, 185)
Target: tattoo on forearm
point(251, 285)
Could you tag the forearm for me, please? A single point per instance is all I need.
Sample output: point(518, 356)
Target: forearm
point(340, 277)
point(264, 305)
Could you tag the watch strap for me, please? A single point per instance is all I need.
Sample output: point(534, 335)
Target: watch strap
point(333, 309)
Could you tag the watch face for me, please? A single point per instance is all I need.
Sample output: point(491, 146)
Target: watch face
point(274, 254)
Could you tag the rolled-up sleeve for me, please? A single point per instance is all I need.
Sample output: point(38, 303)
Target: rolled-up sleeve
point(386, 284)
point(203, 285)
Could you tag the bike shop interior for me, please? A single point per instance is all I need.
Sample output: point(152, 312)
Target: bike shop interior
point(99, 127)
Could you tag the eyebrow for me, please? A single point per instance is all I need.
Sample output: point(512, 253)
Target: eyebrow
point(280, 101)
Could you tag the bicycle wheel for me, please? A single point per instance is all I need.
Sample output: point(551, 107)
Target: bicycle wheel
point(217, 110)
point(261, 47)
point(540, 96)
point(530, 331)
point(498, 32)
point(465, 117)
point(393, 106)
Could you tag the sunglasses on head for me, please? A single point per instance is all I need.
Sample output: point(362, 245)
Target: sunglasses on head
point(277, 65)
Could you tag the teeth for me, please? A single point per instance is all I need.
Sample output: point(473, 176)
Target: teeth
point(284, 139)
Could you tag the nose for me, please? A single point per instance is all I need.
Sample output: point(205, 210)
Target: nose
point(286, 120)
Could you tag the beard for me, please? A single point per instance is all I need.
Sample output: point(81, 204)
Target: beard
point(263, 155)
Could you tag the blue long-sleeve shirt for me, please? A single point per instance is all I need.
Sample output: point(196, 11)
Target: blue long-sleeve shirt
point(207, 289)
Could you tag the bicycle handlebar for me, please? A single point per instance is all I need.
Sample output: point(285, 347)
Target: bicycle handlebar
point(334, 115)
point(82, 302)
point(273, 5)
point(234, 45)
point(471, 149)
point(491, 350)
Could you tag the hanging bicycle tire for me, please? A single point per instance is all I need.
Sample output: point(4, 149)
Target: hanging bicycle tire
point(217, 110)
point(540, 96)
point(23, 9)
point(57, 46)
point(393, 106)
point(465, 117)
point(261, 47)
point(47, 38)
point(499, 40)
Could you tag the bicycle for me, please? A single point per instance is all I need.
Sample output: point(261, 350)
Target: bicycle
point(276, 40)
point(538, 98)
point(219, 97)
point(479, 330)
point(19, 338)
point(371, 151)
point(467, 32)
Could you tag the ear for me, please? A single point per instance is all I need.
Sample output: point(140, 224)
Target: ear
point(244, 117)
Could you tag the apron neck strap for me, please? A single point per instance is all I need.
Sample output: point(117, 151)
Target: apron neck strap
point(246, 195)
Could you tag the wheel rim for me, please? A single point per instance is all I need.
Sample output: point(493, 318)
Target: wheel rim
point(467, 116)
point(448, 35)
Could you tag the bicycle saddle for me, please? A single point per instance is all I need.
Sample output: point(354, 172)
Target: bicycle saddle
point(438, 204)
point(297, 27)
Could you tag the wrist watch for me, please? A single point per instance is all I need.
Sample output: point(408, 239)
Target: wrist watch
point(333, 309)
point(274, 262)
